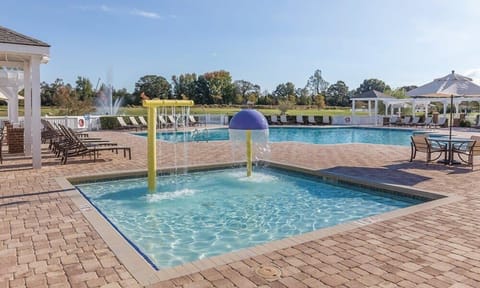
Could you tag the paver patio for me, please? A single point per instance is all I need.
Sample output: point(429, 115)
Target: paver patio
point(45, 240)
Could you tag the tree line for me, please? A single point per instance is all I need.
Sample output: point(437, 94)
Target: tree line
point(215, 87)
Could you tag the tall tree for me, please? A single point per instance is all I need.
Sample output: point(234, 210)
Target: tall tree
point(221, 87)
point(84, 89)
point(316, 84)
point(246, 91)
point(337, 95)
point(153, 86)
point(184, 86)
point(285, 92)
point(47, 92)
point(202, 91)
point(372, 84)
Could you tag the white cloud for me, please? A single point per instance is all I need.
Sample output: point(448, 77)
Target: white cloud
point(146, 14)
point(474, 74)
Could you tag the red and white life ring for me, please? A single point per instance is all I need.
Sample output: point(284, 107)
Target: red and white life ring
point(81, 122)
point(347, 120)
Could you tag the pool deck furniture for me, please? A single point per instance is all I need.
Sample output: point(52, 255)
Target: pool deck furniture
point(299, 120)
point(124, 125)
point(430, 246)
point(442, 122)
point(311, 120)
point(283, 119)
point(192, 121)
point(325, 120)
point(134, 122)
point(162, 123)
point(143, 121)
point(429, 146)
point(405, 121)
point(426, 123)
point(466, 150)
point(274, 120)
point(415, 121)
point(393, 121)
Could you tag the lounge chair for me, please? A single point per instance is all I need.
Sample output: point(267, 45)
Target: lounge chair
point(283, 119)
point(124, 125)
point(299, 119)
point(162, 122)
point(415, 121)
point(274, 119)
point(172, 120)
point(420, 143)
point(393, 120)
point(326, 120)
point(143, 121)
point(405, 121)
point(77, 147)
point(466, 151)
point(442, 122)
point(192, 120)
point(311, 120)
point(426, 123)
point(135, 123)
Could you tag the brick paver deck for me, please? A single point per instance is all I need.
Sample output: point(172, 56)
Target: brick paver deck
point(45, 240)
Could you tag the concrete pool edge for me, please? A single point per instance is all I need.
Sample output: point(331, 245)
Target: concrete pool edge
point(146, 274)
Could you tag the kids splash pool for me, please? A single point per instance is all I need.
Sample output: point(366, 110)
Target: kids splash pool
point(203, 214)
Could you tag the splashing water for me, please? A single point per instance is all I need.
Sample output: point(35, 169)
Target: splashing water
point(104, 103)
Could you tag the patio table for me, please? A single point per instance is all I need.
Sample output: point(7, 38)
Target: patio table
point(449, 157)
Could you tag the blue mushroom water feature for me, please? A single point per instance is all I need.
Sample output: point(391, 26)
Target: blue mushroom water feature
point(251, 126)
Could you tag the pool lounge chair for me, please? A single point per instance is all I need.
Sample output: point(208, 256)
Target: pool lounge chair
point(426, 123)
point(283, 119)
point(124, 125)
point(311, 120)
point(393, 120)
point(274, 120)
point(193, 121)
point(134, 122)
point(162, 122)
point(299, 119)
point(420, 143)
point(326, 120)
point(143, 121)
point(442, 122)
point(405, 121)
point(414, 121)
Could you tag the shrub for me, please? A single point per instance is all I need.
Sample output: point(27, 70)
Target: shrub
point(109, 122)
point(465, 123)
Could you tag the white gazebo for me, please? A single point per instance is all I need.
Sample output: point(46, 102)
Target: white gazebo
point(20, 59)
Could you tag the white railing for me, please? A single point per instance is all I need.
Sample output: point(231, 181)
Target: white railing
point(356, 120)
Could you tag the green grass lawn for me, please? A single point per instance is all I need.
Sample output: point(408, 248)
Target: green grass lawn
point(298, 110)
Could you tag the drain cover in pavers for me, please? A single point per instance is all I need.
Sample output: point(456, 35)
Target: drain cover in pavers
point(270, 273)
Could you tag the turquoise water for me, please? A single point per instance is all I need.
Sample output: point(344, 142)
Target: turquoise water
point(208, 213)
point(342, 135)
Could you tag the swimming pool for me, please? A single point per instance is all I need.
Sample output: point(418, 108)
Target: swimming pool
point(209, 213)
point(333, 135)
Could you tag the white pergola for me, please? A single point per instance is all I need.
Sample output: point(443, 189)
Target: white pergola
point(20, 57)
point(391, 103)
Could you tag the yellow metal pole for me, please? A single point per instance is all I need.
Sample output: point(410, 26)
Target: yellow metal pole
point(152, 148)
point(249, 152)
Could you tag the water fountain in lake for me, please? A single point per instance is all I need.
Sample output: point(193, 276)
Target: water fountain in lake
point(249, 128)
point(104, 103)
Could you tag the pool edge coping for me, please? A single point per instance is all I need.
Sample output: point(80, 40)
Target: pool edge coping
point(145, 274)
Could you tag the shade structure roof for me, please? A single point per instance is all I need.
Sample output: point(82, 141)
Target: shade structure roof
point(450, 85)
point(248, 119)
point(372, 94)
point(13, 37)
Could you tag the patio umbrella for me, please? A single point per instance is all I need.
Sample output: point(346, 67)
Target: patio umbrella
point(452, 85)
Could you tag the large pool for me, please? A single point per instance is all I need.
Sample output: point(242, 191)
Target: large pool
point(208, 213)
point(334, 135)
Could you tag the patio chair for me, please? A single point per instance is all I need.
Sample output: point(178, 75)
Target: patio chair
point(124, 125)
point(283, 119)
point(299, 119)
point(311, 120)
point(135, 123)
point(466, 151)
point(193, 121)
point(274, 119)
point(420, 143)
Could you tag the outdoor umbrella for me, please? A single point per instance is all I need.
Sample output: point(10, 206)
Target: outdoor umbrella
point(452, 85)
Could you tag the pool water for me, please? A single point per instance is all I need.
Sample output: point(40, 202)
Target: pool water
point(208, 213)
point(334, 135)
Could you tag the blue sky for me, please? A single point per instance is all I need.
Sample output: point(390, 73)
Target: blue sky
point(267, 42)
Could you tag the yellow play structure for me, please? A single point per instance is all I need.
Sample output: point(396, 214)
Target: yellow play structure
point(152, 106)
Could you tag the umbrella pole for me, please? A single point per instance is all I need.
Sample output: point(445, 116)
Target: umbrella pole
point(450, 122)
